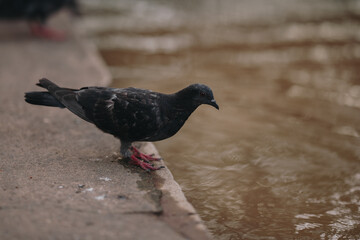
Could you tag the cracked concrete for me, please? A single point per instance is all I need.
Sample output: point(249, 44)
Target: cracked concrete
point(60, 177)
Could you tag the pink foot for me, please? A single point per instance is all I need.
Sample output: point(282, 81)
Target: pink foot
point(143, 160)
point(143, 164)
point(142, 156)
point(42, 31)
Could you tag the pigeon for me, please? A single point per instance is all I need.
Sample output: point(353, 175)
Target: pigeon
point(36, 12)
point(129, 114)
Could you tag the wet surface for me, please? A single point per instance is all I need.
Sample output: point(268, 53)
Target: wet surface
point(281, 159)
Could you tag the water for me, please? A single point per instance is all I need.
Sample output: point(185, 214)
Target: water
point(281, 159)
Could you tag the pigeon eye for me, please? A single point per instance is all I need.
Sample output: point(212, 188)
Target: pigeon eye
point(202, 94)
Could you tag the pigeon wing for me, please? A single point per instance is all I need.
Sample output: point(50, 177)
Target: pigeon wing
point(68, 98)
point(130, 114)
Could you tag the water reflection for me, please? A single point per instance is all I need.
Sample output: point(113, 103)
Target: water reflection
point(281, 158)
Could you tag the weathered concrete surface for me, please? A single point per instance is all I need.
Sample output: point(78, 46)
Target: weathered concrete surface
point(59, 176)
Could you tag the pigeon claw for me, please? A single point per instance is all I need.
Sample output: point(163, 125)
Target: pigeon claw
point(42, 31)
point(145, 157)
point(143, 164)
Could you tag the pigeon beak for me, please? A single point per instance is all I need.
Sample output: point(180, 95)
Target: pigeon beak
point(214, 104)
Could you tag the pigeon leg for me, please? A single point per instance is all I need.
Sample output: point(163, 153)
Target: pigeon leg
point(144, 165)
point(142, 156)
point(39, 30)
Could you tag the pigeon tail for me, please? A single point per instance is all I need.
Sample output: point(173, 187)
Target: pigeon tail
point(47, 84)
point(42, 98)
point(57, 97)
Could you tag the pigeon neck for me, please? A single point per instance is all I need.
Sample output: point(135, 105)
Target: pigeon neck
point(183, 101)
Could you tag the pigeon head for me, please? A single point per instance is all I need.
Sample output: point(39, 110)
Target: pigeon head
point(199, 94)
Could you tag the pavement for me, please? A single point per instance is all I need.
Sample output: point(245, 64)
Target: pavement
point(60, 177)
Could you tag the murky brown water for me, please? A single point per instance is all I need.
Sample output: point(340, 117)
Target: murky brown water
point(281, 159)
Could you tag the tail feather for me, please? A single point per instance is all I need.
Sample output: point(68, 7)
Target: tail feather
point(56, 97)
point(42, 98)
point(47, 84)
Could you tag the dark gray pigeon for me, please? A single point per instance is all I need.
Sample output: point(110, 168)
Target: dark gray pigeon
point(130, 114)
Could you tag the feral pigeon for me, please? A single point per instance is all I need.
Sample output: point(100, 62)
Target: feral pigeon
point(130, 114)
point(36, 12)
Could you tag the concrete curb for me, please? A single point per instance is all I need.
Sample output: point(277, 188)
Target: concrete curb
point(177, 211)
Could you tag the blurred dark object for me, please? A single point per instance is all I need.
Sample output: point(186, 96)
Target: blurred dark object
point(36, 12)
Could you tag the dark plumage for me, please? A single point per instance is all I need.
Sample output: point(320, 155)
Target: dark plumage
point(130, 114)
point(36, 12)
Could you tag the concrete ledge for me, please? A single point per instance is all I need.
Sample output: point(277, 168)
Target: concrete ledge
point(59, 176)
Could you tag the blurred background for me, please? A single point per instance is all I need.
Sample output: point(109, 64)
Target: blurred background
point(281, 159)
